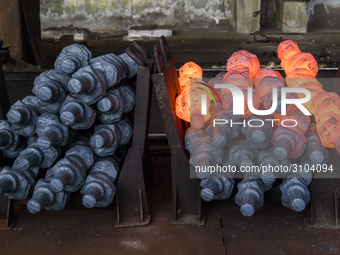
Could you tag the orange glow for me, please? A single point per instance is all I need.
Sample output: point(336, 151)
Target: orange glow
point(315, 91)
point(265, 72)
point(184, 81)
point(301, 73)
point(191, 69)
point(300, 60)
point(239, 77)
point(188, 103)
point(329, 131)
point(188, 106)
point(286, 49)
point(277, 116)
point(243, 58)
point(187, 71)
point(264, 81)
point(328, 120)
point(242, 66)
point(244, 71)
point(324, 105)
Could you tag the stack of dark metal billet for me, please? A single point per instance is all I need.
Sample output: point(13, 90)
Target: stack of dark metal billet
point(71, 133)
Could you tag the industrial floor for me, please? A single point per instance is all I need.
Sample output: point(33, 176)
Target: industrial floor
point(77, 230)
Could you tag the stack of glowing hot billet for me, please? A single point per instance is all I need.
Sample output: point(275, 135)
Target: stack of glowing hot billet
point(284, 136)
point(242, 66)
point(188, 103)
point(62, 120)
point(301, 69)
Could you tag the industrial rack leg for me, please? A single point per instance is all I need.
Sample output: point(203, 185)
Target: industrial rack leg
point(187, 205)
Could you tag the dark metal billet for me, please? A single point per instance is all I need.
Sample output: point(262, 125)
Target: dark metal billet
point(250, 195)
point(258, 137)
point(220, 186)
point(118, 100)
point(99, 188)
point(44, 198)
point(70, 172)
point(294, 191)
point(107, 137)
point(216, 188)
point(314, 152)
point(23, 115)
point(266, 158)
point(34, 156)
point(288, 142)
point(76, 114)
point(221, 133)
point(51, 89)
point(16, 184)
point(72, 58)
point(202, 151)
point(91, 83)
point(240, 154)
point(52, 132)
point(11, 144)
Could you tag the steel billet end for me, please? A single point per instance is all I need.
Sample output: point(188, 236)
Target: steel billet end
point(69, 66)
point(18, 116)
point(60, 181)
point(247, 210)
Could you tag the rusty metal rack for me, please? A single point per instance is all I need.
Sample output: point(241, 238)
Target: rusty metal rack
point(324, 209)
point(187, 204)
point(131, 201)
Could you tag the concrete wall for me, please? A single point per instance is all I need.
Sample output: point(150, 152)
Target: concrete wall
point(245, 20)
point(106, 15)
point(109, 15)
point(293, 16)
point(323, 15)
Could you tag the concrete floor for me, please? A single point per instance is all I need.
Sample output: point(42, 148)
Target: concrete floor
point(272, 230)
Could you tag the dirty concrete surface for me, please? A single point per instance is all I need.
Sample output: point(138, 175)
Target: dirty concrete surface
point(272, 230)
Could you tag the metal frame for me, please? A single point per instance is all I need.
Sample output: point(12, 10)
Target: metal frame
point(187, 206)
point(131, 199)
point(324, 211)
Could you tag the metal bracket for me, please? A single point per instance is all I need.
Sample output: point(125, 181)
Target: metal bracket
point(185, 191)
point(324, 209)
point(132, 206)
point(7, 220)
